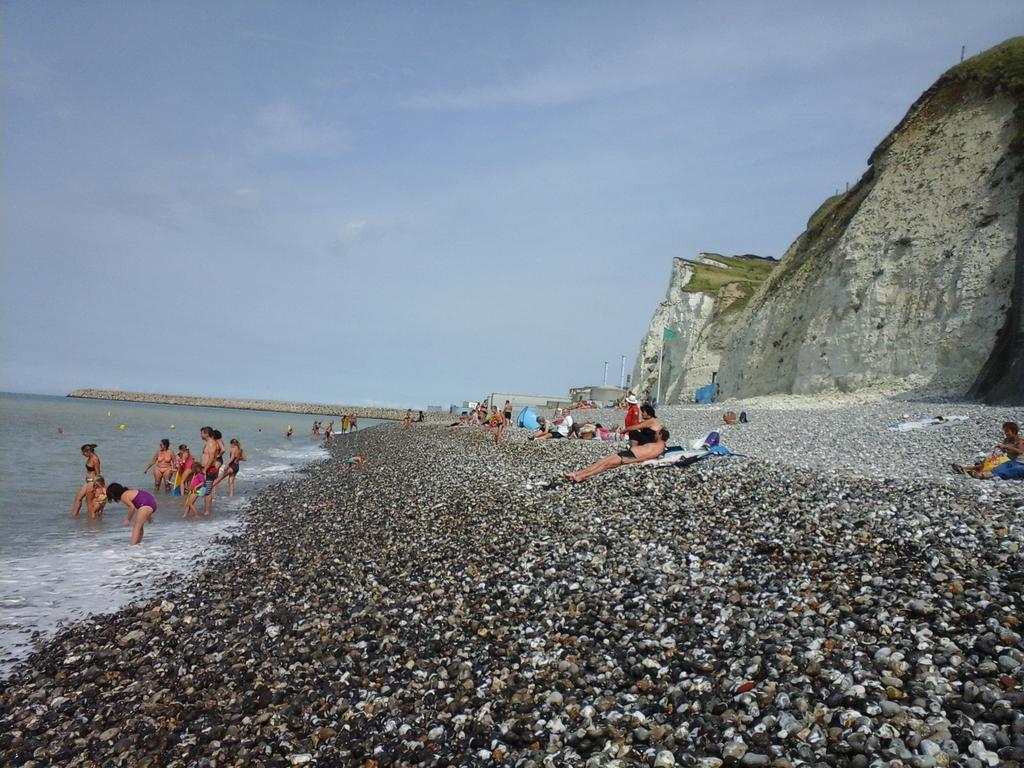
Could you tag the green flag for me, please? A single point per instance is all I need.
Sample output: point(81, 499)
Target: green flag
point(669, 334)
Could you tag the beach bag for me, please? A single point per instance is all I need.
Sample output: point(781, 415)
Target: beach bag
point(712, 439)
point(729, 418)
point(992, 461)
point(743, 417)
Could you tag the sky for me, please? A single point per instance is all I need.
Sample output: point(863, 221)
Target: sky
point(415, 203)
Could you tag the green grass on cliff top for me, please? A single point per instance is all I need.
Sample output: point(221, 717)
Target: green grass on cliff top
point(1000, 65)
point(708, 278)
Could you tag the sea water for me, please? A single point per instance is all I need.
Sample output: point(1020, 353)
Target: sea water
point(55, 569)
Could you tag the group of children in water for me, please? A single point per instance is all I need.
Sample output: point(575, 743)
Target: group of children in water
point(192, 478)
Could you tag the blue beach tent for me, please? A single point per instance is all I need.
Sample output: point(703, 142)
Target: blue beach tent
point(706, 394)
point(527, 418)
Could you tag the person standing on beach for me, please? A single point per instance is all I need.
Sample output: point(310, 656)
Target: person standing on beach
point(507, 412)
point(208, 466)
point(352, 422)
point(141, 507)
point(407, 421)
point(344, 424)
point(499, 424)
point(92, 471)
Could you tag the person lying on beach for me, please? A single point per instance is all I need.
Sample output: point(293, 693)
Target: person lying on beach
point(632, 456)
point(354, 462)
point(96, 499)
point(1012, 447)
point(141, 507)
point(645, 431)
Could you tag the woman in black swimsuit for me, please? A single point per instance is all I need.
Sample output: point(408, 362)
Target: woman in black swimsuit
point(231, 471)
point(92, 471)
point(645, 431)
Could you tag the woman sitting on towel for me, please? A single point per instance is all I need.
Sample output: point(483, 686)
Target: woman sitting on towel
point(632, 456)
point(646, 430)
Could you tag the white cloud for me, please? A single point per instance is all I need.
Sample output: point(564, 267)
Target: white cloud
point(351, 231)
point(281, 129)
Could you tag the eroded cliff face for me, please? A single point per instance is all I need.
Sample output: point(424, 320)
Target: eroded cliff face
point(703, 295)
point(906, 280)
point(913, 280)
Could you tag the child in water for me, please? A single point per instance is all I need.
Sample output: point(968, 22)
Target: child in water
point(141, 507)
point(96, 498)
point(195, 489)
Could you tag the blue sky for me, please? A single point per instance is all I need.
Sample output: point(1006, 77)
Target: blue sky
point(415, 203)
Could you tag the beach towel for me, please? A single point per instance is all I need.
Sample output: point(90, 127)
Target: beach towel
point(673, 458)
point(907, 426)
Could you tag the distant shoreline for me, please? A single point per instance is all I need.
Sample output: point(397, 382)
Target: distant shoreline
point(313, 409)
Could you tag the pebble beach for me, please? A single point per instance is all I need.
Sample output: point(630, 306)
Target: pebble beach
point(847, 602)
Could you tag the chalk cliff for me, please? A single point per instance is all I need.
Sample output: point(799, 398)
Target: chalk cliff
point(908, 279)
point(704, 296)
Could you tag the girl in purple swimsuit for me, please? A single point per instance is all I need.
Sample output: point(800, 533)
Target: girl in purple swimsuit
point(141, 507)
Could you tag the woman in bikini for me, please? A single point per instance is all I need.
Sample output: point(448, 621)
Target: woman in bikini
point(141, 507)
point(632, 456)
point(92, 471)
point(186, 466)
point(231, 472)
point(163, 460)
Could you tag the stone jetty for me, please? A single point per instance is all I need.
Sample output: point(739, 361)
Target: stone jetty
point(313, 409)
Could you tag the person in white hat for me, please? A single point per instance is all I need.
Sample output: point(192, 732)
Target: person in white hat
point(632, 415)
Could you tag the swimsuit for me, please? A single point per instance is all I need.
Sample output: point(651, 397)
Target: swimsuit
point(233, 466)
point(144, 499)
point(643, 436)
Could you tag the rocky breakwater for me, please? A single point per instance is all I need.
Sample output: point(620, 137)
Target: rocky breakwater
point(313, 409)
point(703, 299)
point(907, 279)
point(440, 607)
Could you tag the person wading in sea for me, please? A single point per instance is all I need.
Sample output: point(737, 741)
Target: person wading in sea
point(92, 471)
point(208, 466)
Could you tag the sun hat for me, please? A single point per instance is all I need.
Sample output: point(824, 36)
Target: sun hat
point(631, 399)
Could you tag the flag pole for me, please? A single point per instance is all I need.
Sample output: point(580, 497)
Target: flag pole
point(661, 356)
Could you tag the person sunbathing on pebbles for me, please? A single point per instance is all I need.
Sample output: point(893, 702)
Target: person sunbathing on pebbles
point(633, 456)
